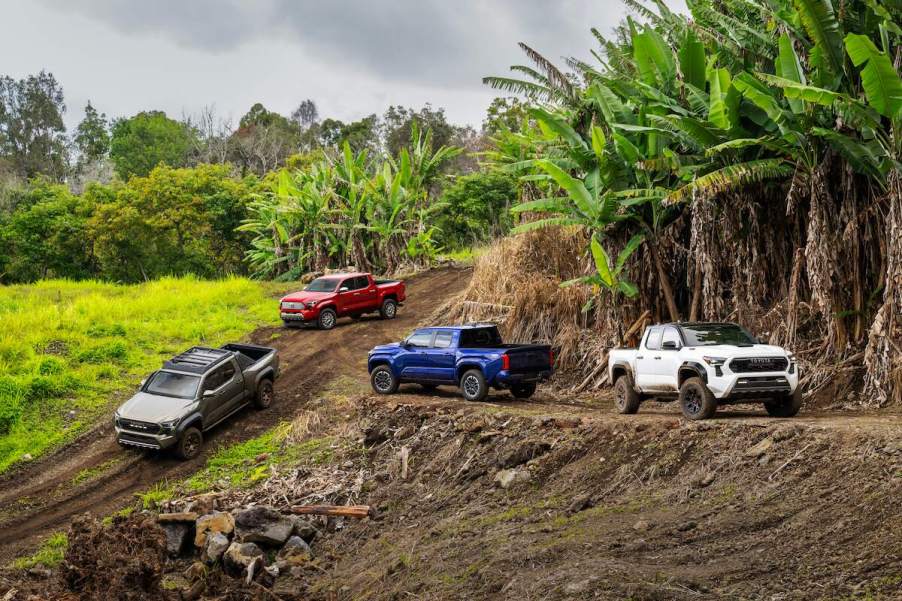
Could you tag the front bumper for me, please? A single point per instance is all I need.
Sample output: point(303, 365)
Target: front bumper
point(758, 385)
point(298, 315)
point(144, 440)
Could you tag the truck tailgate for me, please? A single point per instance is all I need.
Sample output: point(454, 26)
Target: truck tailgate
point(530, 358)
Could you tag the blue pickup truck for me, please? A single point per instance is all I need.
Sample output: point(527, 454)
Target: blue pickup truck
point(472, 357)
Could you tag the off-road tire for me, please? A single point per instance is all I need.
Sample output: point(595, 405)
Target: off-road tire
point(265, 394)
point(786, 407)
point(389, 308)
point(327, 319)
point(523, 391)
point(696, 400)
point(626, 399)
point(473, 386)
point(190, 444)
point(383, 380)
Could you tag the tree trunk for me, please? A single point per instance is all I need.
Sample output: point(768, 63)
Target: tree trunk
point(666, 289)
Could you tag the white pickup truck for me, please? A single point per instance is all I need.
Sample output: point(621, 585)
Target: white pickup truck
point(705, 365)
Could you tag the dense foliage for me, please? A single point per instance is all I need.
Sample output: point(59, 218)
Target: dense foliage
point(748, 152)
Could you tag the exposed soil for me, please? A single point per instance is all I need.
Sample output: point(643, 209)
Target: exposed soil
point(594, 505)
point(41, 497)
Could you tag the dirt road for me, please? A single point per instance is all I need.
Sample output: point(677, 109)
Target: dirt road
point(94, 474)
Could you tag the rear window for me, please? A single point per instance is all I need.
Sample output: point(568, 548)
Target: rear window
point(443, 339)
point(167, 383)
point(480, 338)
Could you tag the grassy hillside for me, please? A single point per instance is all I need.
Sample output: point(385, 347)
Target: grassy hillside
point(67, 347)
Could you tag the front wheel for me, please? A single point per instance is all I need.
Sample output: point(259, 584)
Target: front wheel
point(523, 391)
point(785, 407)
point(389, 309)
point(265, 395)
point(383, 380)
point(473, 386)
point(696, 400)
point(189, 444)
point(327, 319)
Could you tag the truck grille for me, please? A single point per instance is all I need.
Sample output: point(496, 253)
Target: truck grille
point(758, 364)
point(761, 384)
point(136, 426)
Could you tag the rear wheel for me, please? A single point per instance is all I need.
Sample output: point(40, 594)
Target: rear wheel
point(523, 391)
point(383, 380)
point(626, 399)
point(696, 400)
point(327, 319)
point(389, 309)
point(265, 395)
point(785, 407)
point(189, 444)
point(473, 386)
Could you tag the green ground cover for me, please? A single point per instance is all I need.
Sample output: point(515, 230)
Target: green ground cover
point(69, 351)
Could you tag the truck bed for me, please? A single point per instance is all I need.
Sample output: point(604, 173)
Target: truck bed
point(248, 354)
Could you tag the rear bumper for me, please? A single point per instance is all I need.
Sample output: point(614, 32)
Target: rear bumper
point(505, 379)
point(145, 441)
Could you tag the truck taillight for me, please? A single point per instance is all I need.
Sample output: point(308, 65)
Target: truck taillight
point(505, 362)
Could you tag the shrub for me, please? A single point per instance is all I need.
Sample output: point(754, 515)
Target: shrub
point(116, 350)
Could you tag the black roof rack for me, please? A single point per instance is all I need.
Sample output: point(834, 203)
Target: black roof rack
point(197, 359)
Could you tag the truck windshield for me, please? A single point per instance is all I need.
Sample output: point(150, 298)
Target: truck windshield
point(167, 383)
point(322, 285)
point(480, 338)
point(721, 333)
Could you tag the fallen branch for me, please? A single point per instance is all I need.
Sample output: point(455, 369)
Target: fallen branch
point(790, 460)
point(348, 511)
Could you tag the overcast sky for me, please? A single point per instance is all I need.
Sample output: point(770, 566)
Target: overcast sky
point(352, 57)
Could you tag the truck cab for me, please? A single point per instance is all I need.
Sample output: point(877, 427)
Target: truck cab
point(705, 365)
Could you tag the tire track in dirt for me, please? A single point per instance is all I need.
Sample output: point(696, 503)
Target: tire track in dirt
point(42, 497)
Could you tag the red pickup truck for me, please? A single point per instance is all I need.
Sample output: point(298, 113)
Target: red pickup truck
point(326, 299)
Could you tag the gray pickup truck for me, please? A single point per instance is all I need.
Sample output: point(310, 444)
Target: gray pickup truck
point(194, 392)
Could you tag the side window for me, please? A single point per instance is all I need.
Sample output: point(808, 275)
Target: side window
point(654, 339)
point(348, 283)
point(220, 376)
point(228, 372)
point(363, 282)
point(420, 339)
point(671, 335)
point(443, 339)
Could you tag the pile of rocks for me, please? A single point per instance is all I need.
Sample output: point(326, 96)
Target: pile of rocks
point(254, 543)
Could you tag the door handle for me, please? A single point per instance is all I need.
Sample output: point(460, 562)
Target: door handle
point(657, 358)
point(640, 357)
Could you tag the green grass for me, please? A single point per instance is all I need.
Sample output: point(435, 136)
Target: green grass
point(83, 346)
point(49, 555)
point(465, 256)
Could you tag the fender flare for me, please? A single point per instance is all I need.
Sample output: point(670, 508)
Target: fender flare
point(193, 419)
point(693, 366)
point(377, 360)
point(625, 365)
point(461, 368)
point(267, 374)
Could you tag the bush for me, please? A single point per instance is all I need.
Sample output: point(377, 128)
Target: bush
point(116, 350)
point(477, 209)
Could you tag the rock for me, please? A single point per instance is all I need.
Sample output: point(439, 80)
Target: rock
point(642, 526)
point(216, 545)
point(761, 448)
point(295, 552)
point(265, 525)
point(203, 504)
point(686, 526)
point(523, 453)
point(261, 457)
point(785, 433)
point(240, 556)
point(579, 503)
point(168, 518)
point(508, 478)
point(218, 521)
point(303, 528)
point(764, 460)
point(177, 536)
point(27, 457)
point(567, 423)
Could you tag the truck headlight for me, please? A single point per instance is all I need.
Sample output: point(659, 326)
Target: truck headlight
point(714, 361)
point(169, 426)
point(311, 304)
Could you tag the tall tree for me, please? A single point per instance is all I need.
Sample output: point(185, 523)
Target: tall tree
point(32, 132)
point(140, 143)
point(92, 136)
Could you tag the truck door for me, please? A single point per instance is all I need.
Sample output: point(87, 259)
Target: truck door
point(648, 356)
point(223, 390)
point(366, 296)
point(666, 368)
point(416, 360)
point(442, 357)
point(345, 299)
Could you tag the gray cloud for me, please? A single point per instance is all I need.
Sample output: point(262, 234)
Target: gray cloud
point(437, 42)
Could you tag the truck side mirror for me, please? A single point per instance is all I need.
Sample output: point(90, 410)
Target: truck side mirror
point(343, 289)
point(670, 345)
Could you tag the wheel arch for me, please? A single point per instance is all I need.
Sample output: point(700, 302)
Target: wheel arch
point(691, 369)
point(195, 420)
point(465, 367)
